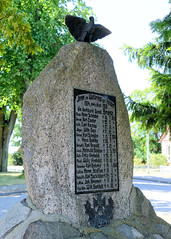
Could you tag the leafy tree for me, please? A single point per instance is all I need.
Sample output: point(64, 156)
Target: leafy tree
point(154, 112)
point(15, 28)
point(140, 142)
point(31, 34)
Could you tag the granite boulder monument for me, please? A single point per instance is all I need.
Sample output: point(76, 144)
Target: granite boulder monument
point(78, 156)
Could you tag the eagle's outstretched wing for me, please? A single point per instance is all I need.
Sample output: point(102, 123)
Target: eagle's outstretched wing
point(75, 25)
point(99, 32)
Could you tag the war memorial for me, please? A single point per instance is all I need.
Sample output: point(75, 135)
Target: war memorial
point(78, 156)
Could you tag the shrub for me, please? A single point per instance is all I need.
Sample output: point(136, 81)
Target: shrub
point(17, 158)
point(10, 160)
point(158, 159)
point(137, 161)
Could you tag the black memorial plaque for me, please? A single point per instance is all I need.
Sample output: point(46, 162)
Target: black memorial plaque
point(96, 162)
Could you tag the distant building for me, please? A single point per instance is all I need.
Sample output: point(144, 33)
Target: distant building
point(166, 145)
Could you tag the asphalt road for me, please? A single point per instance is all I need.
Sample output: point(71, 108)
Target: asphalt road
point(6, 202)
point(158, 193)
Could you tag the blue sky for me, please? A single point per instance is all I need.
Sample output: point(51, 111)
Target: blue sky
point(129, 22)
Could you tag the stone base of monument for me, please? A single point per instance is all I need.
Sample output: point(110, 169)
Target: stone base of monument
point(78, 156)
point(25, 221)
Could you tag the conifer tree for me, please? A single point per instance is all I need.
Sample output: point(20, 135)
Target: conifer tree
point(154, 111)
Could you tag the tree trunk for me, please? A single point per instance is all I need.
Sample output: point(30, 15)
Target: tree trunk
point(6, 128)
point(156, 136)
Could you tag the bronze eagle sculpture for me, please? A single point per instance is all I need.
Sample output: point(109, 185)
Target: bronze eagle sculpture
point(83, 31)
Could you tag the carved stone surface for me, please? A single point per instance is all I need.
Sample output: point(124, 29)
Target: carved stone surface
point(101, 213)
point(48, 132)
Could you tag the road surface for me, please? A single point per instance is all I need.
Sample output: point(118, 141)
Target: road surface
point(6, 202)
point(159, 195)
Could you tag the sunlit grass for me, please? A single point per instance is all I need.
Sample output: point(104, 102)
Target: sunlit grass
point(11, 178)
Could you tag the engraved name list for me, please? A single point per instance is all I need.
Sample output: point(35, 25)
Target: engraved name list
point(96, 163)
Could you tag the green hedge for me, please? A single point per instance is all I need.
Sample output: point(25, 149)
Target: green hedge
point(155, 160)
point(158, 159)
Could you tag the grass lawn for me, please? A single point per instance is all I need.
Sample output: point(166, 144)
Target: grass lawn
point(11, 178)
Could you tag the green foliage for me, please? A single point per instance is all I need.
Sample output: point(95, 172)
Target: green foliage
point(151, 55)
point(137, 161)
point(16, 135)
point(10, 160)
point(139, 138)
point(158, 159)
point(15, 29)
point(45, 22)
point(162, 28)
point(154, 110)
point(22, 175)
point(154, 55)
point(31, 34)
point(140, 147)
point(17, 158)
point(144, 112)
